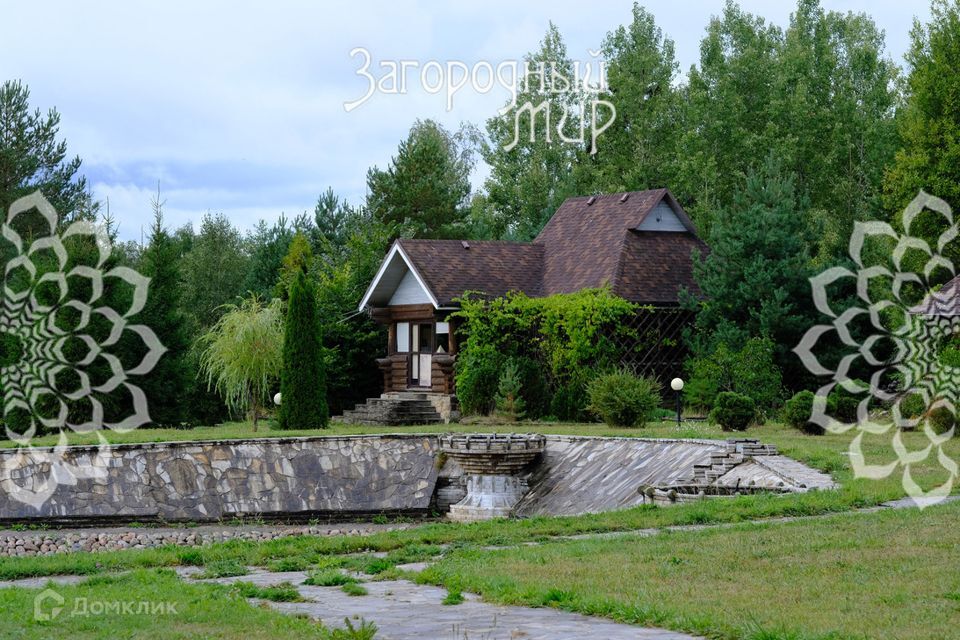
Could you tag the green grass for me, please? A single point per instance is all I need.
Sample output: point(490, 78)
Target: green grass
point(454, 596)
point(222, 569)
point(199, 610)
point(354, 589)
point(328, 578)
point(283, 592)
point(889, 574)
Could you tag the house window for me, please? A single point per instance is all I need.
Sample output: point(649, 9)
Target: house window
point(403, 337)
point(443, 337)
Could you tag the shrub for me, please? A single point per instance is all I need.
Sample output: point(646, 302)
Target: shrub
point(844, 403)
point(941, 420)
point(733, 411)
point(622, 399)
point(799, 408)
point(478, 376)
point(912, 405)
point(533, 386)
point(750, 371)
point(510, 404)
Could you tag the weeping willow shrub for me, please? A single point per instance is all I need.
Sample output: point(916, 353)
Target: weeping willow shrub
point(241, 355)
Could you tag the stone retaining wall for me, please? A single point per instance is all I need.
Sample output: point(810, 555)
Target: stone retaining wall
point(349, 476)
point(208, 481)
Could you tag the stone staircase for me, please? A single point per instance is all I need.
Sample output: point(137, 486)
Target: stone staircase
point(403, 408)
point(735, 452)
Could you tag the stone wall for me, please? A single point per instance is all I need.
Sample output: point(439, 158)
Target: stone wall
point(325, 476)
point(345, 477)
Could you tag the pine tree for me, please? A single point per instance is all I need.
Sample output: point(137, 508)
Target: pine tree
point(510, 405)
point(302, 380)
point(754, 280)
point(168, 385)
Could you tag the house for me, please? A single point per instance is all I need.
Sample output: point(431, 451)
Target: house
point(640, 244)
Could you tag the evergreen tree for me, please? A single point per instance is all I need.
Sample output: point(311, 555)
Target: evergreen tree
point(32, 158)
point(755, 278)
point(302, 380)
point(168, 385)
point(424, 190)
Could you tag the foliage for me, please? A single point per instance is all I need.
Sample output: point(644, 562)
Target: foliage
point(424, 190)
point(303, 380)
point(213, 270)
point(478, 377)
point(749, 371)
point(941, 420)
point(755, 277)
point(31, 158)
point(567, 335)
point(929, 122)
point(169, 383)
point(530, 179)
point(241, 355)
point(510, 404)
point(640, 149)
point(798, 409)
point(622, 399)
point(733, 411)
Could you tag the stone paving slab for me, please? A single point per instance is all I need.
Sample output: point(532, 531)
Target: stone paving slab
point(406, 611)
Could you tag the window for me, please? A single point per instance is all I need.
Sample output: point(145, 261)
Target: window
point(443, 337)
point(403, 337)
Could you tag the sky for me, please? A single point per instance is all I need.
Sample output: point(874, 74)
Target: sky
point(238, 107)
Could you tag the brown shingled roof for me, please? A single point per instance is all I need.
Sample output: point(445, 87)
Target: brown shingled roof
point(491, 267)
point(590, 242)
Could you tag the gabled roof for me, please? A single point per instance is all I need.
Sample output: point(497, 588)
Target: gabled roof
point(590, 242)
point(490, 267)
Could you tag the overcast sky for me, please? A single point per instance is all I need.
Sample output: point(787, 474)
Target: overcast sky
point(239, 107)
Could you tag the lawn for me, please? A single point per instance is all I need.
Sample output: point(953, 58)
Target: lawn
point(889, 574)
point(108, 607)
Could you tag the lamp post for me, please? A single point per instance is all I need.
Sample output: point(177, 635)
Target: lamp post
point(677, 385)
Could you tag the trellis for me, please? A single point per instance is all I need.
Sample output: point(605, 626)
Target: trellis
point(654, 344)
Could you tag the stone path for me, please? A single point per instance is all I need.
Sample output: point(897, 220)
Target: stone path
point(403, 610)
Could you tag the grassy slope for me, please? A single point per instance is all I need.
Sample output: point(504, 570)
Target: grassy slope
point(878, 575)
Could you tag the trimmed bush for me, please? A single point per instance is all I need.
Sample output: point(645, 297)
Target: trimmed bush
point(912, 405)
point(622, 399)
point(798, 409)
point(302, 382)
point(941, 420)
point(733, 411)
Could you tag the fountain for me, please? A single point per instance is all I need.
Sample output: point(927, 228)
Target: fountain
point(491, 464)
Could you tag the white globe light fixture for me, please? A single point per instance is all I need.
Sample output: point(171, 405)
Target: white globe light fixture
point(677, 385)
point(276, 399)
